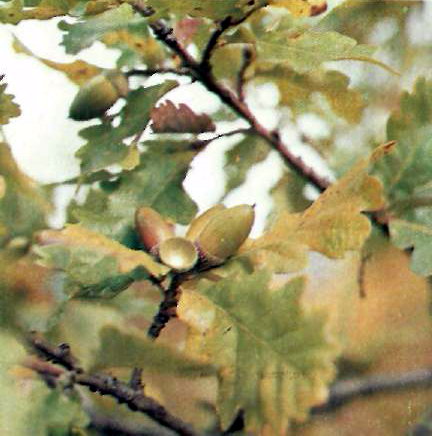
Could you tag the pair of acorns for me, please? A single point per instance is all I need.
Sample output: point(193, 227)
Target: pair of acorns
point(211, 239)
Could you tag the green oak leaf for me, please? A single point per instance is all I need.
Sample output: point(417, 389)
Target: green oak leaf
point(410, 166)
point(416, 235)
point(309, 50)
point(274, 360)
point(105, 145)
point(8, 108)
point(83, 34)
point(240, 158)
point(121, 349)
point(155, 182)
point(213, 9)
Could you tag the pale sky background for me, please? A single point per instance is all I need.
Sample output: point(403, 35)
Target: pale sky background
point(44, 140)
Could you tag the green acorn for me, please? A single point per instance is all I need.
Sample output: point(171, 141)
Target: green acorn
point(178, 253)
point(152, 228)
point(198, 223)
point(224, 233)
point(98, 94)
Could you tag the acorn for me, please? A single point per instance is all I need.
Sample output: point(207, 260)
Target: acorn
point(178, 253)
point(152, 228)
point(224, 233)
point(198, 224)
point(98, 94)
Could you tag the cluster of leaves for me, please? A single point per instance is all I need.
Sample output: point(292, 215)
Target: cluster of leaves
point(255, 347)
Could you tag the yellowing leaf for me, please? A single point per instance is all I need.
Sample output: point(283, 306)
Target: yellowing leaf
point(275, 361)
point(332, 225)
point(24, 206)
point(302, 8)
point(77, 71)
point(8, 109)
point(296, 90)
point(75, 235)
point(15, 11)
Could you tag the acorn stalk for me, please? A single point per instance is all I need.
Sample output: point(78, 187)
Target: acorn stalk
point(152, 228)
point(178, 253)
point(224, 233)
point(98, 94)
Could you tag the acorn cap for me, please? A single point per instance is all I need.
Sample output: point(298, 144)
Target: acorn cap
point(199, 223)
point(225, 233)
point(152, 228)
point(97, 95)
point(178, 253)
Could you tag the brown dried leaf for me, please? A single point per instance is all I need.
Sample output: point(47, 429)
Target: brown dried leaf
point(167, 118)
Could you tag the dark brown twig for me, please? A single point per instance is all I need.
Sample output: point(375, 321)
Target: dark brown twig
point(150, 71)
point(105, 384)
point(167, 307)
point(247, 59)
point(343, 392)
point(205, 76)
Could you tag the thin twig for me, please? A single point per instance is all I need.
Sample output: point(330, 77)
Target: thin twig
point(167, 308)
point(150, 71)
point(105, 384)
point(199, 144)
point(247, 57)
point(343, 392)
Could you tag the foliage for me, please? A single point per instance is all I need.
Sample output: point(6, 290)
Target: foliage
point(250, 340)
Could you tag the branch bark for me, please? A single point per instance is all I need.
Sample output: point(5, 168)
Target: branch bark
point(344, 391)
point(104, 384)
point(202, 72)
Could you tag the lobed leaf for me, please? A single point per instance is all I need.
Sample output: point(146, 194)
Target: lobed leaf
point(274, 360)
point(23, 206)
point(77, 71)
point(416, 235)
point(155, 182)
point(105, 145)
point(167, 118)
point(8, 108)
point(83, 34)
point(74, 248)
point(240, 159)
point(120, 349)
point(296, 90)
point(332, 225)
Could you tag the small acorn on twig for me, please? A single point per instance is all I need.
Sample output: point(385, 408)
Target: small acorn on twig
point(98, 94)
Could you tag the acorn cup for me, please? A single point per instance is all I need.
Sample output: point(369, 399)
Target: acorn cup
point(152, 228)
point(223, 233)
point(98, 94)
point(178, 253)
